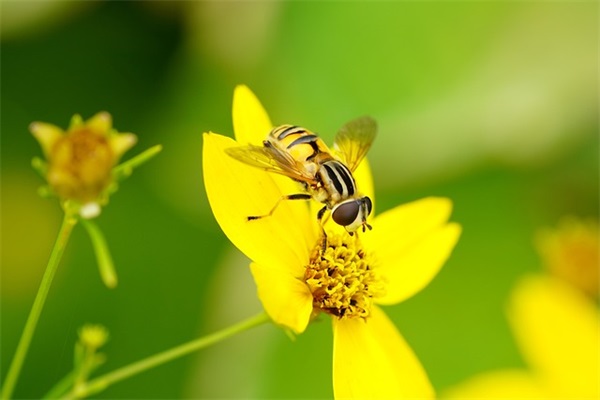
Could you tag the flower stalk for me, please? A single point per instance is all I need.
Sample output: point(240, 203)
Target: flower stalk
point(81, 170)
point(100, 383)
point(69, 222)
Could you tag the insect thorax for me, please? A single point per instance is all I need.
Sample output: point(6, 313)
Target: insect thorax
point(337, 180)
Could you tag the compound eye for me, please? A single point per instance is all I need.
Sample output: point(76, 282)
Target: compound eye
point(368, 204)
point(346, 213)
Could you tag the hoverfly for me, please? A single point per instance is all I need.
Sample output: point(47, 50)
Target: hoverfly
point(327, 178)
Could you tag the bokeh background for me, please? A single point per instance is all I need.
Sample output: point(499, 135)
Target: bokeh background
point(493, 104)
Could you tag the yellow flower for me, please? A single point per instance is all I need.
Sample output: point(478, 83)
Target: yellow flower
point(557, 329)
point(80, 160)
point(406, 248)
point(93, 336)
point(571, 252)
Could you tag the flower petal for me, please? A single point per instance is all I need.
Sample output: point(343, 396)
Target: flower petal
point(121, 142)
point(411, 243)
point(100, 123)
point(251, 125)
point(236, 191)
point(46, 135)
point(558, 330)
point(251, 122)
point(371, 360)
point(286, 299)
point(504, 384)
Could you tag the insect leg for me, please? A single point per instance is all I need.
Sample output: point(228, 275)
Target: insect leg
point(320, 219)
point(297, 196)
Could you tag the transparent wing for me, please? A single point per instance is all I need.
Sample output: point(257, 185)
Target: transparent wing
point(354, 139)
point(271, 159)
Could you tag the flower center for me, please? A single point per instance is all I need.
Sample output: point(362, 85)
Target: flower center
point(342, 279)
point(570, 252)
point(80, 165)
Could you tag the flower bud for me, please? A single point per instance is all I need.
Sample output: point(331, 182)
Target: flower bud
point(81, 159)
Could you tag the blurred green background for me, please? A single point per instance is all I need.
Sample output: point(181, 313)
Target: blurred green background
point(493, 104)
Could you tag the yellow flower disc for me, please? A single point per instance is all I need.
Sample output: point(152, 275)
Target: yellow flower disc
point(342, 279)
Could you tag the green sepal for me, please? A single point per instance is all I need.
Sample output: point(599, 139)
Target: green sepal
point(76, 121)
point(46, 192)
point(40, 166)
point(126, 168)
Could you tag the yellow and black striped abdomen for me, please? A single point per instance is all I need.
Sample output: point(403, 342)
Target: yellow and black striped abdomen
point(300, 143)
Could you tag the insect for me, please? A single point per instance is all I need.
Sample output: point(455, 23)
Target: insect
point(300, 154)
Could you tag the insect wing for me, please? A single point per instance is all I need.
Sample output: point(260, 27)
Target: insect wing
point(354, 139)
point(270, 159)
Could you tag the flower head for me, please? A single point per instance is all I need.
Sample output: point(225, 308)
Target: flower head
point(298, 279)
point(557, 329)
point(80, 159)
point(571, 251)
point(93, 336)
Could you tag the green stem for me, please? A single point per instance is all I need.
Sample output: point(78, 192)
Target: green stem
point(61, 386)
point(17, 363)
point(102, 382)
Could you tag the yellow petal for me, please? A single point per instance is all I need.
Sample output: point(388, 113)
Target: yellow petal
point(371, 360)
point(286, 298)
point(411, 244)
point(236, 191)
point(505, 384)
point(121, 142)
point(558, 331)
point(46, 135)
point(100, 123)
point(251, 122)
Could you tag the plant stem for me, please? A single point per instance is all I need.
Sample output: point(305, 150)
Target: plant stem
point(17, 363)
point(62, 386)
point(102, 382)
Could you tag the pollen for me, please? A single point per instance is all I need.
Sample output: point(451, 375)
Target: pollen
point(342, 278)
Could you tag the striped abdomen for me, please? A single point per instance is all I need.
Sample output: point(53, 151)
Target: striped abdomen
point(301, 144)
